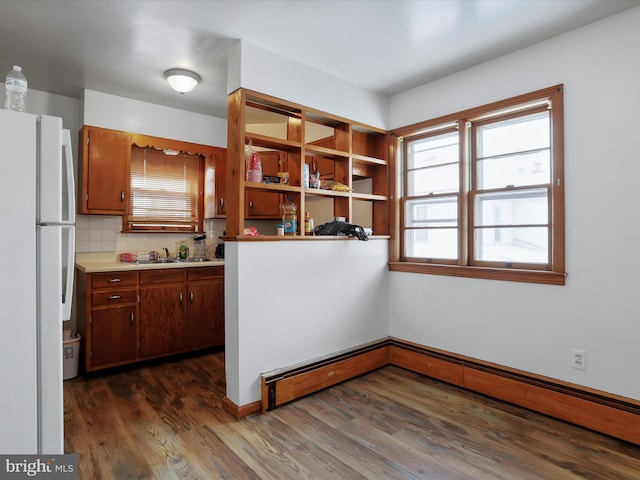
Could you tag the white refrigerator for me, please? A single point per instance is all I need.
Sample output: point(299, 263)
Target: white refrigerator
point(37, 255)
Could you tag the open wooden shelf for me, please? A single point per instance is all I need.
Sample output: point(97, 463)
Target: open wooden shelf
point(340, 150)
point(272, 142)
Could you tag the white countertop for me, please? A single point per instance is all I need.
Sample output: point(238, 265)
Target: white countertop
point(96, 262)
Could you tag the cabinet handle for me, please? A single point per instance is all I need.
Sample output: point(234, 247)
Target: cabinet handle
point(250, 203)
point(132, 318)
point(191, 296)
point(222, 202)
point(180, 297)
point(122, 196)
point(114, 280)
point(114, 297)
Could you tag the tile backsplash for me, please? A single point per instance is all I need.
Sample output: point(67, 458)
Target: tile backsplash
point(102, 233)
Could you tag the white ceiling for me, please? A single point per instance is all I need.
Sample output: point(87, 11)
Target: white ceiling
point(122, 47)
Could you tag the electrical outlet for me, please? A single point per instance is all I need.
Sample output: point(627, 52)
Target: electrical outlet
point(579, 359)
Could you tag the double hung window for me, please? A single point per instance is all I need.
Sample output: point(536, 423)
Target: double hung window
point(483, 192)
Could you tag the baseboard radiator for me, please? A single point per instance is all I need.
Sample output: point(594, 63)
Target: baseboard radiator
point(605, 413)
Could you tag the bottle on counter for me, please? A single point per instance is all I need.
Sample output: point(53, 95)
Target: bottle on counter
point(15, 86)
point(290, 217)
point(307, 224)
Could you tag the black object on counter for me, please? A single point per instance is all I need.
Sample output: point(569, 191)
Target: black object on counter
point(337, 228)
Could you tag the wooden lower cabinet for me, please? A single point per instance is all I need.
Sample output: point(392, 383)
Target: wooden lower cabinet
point(113, 335)
point(107, 318)
point(162, 320)
point(138, 315)
point(205, 307)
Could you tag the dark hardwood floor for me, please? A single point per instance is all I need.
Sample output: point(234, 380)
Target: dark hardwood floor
point(165, 421)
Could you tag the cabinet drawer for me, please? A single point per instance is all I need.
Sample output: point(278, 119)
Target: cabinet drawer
point(114, 279)
point(114, 296)
point(170, 275)
point(205, 273)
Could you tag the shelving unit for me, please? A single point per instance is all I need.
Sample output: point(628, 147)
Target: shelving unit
point(352, 154)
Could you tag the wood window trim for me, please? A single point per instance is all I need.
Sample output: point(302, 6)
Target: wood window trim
point(556, 275)
point(513, 275)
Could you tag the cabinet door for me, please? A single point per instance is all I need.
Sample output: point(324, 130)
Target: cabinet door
point(221, 185)
point(162, 320)
point(265, 204)
point(323, 165)
point(113, 336)
point(105, 171)
point(215, 184)
point(205, 318)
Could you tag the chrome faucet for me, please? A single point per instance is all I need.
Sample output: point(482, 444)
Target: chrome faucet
point(166, 251)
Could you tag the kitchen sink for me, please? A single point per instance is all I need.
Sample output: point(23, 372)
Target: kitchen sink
point(151, 262)
point(169, 260)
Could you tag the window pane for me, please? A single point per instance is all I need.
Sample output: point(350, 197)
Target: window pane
point(433, 165)
point(432, 243)
point(512, 244)
point(517, 170)
point(432, 151)
point(521, 207)
point(436, 212)
point(442, 179)
point(530, 132)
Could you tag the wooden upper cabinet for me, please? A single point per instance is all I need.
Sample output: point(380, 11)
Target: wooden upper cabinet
point(104, 171)
point(322, 165)
point(215, 180)
point(259, 204)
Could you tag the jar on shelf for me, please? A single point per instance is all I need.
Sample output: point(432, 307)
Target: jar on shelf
point(290, 217)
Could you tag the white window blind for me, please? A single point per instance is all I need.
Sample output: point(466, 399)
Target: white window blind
point(165, 191)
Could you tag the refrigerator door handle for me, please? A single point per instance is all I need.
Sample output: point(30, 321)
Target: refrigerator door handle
point(71, 191)
point(67, 294)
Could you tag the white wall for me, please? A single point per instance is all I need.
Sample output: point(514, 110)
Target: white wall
point(266, 72)
point(293, 301)
point(534, 327)
point(119, 113)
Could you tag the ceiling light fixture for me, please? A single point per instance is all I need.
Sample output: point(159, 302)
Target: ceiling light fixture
point(182, 80)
